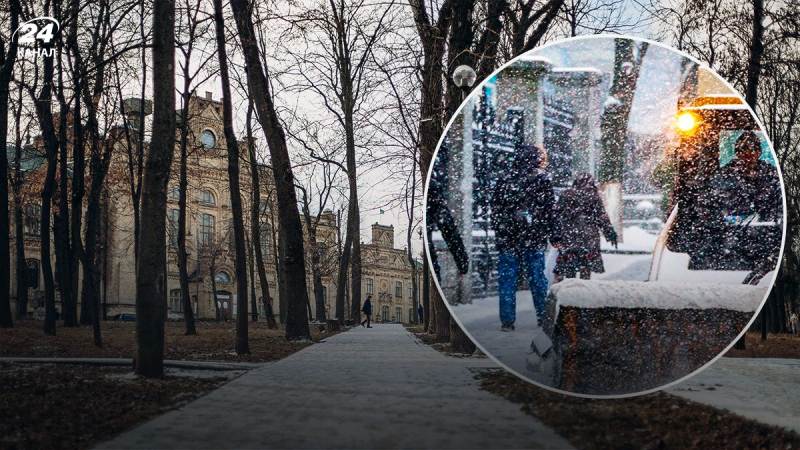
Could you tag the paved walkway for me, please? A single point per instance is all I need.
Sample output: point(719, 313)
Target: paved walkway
point(763, 389)
point(366, 388)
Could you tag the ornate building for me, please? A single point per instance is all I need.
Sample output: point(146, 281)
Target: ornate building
point(209, 241)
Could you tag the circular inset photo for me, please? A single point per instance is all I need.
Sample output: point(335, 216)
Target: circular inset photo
point(605, 216)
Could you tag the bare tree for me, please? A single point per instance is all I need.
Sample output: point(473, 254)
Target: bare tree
point(292, 235)
point(194, 28)
point(256, 210)
point(8, 56)
point(151, 282)
point(242, 345)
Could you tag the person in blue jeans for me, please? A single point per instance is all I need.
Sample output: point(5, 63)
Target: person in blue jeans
point(523, 219)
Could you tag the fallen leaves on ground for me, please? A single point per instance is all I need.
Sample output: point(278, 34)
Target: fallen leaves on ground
point(776, 346)
point(653, 421)
point(214, 341)
point(49, 406)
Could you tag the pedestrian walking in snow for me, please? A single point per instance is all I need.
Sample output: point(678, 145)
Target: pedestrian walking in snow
point(367, 310)
point(419, 313)
point(793, 320)
point(523, 218)
point(581, 216)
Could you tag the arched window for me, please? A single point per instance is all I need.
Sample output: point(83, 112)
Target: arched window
point(33, 217)
point(398, 313)
point(384, 313)
point(175, 192)
point(175, 303)
point(222, 277)
point(206, 232)
point(208, 139)
point(207, 197)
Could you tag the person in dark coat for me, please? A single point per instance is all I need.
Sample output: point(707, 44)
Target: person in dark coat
point(581, 216)
point(744, 192)
point(419, 312)
point(367, 310)
point(747, 185)
point(523, 219)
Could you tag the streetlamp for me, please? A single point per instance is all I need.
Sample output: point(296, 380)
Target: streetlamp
point(464, 77)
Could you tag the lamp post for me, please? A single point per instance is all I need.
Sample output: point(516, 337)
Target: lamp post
point(461, 173)
point(464, 77)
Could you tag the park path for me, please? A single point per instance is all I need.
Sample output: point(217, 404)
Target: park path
point(366, 388)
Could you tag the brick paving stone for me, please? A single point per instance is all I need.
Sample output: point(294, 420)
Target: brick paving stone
point(366, 388)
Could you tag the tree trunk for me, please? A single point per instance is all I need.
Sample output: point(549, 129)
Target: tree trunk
point(756, 50)
point(341, 280)
point(45, 118)
point(212, 268)
point(151, 283)
point(614, 127)
point(240, 265)
point(252, 275)
point(256, 222)
point(7, 61)
point(442, 318)
point(78, 190)
point(459, 341)
point(426, 304)
point(293, 259)
point(61, 230)
point(183, 185)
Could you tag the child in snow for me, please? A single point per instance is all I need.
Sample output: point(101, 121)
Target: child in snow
point(581, 216)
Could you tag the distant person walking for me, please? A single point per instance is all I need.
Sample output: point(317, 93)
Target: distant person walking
point(367, 310)
point(419, 313)
point(581, 216)
point(793, 320)
point(523, 206)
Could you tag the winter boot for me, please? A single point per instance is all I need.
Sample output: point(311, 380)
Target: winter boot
point(507, 327)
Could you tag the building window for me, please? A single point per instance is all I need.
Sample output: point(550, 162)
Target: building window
point(207, 198)
point(398, 289)
point(208, 139)
point(263, 207)
point(264, 234)
point(398, 312)
point(325, 295)
point(175, 304)
point(33, 217)
point(222, 277)
point(32, 275)
point(384, 313)
point(206, 230)
point(369, 285)
point(172, 228)
point(411, 289)
point(175, 192)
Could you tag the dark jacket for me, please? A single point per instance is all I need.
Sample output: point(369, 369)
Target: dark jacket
point(581, 216)
point(367, 308)
point(743, 195)
point(522, 212)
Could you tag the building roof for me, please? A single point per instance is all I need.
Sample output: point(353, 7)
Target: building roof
point(30, 158)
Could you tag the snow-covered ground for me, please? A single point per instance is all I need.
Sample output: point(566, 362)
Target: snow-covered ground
point(765, 390)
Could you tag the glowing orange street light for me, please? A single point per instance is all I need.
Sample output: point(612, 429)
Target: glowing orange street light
point(686, 122)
